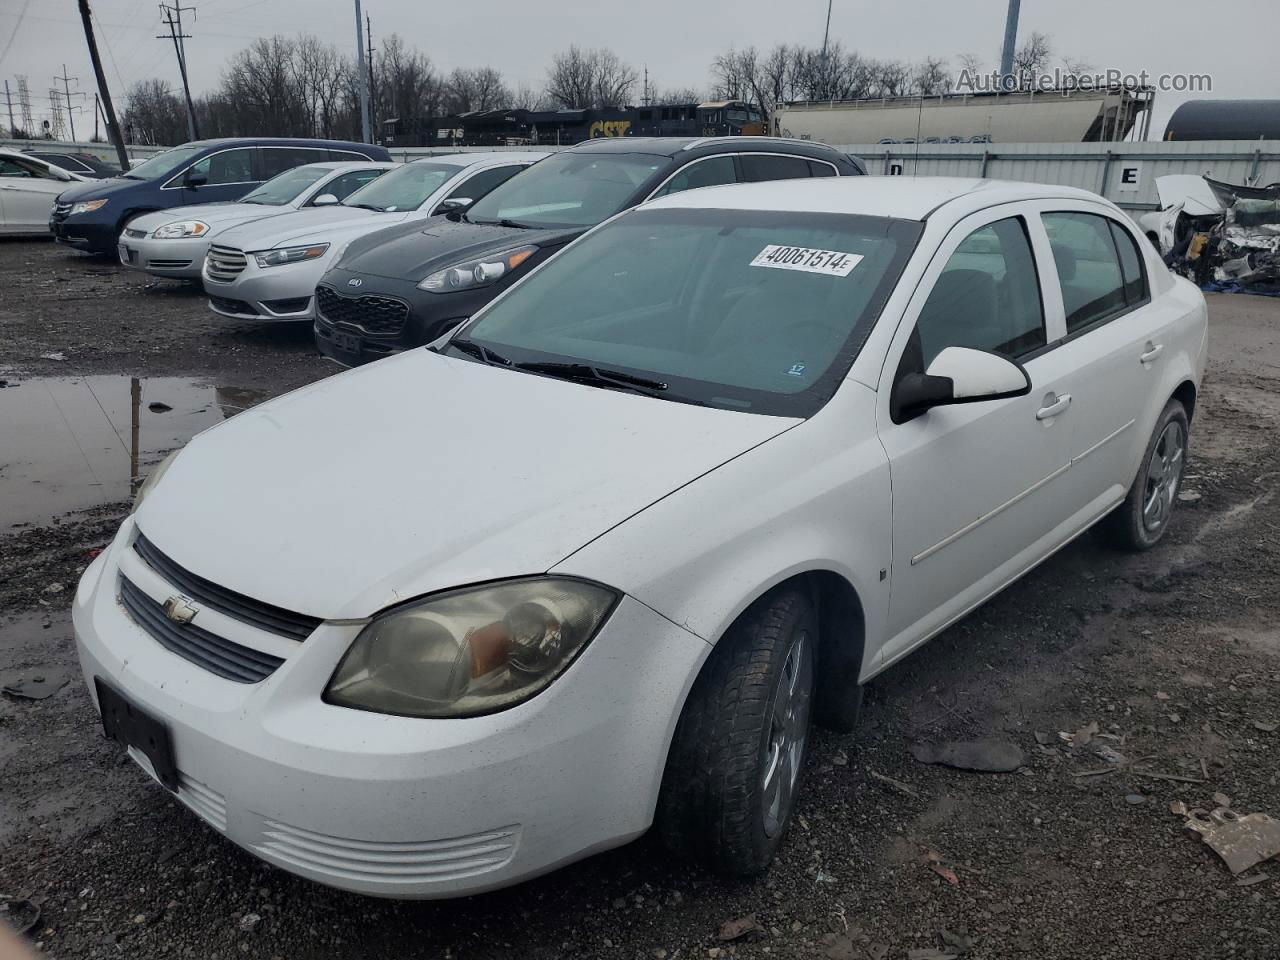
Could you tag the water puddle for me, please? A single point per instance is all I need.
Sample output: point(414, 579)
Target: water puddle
point(73, 443)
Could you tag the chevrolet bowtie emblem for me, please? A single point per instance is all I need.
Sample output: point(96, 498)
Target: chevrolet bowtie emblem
point(179, 610)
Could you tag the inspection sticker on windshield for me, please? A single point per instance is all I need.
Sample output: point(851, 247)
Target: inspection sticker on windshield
point(831, 262)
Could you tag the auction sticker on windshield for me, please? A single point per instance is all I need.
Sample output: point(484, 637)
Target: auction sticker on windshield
point(831, 262)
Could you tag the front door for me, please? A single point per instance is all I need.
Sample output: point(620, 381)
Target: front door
point(975, 486)
point(28, 190)
point(228, 174)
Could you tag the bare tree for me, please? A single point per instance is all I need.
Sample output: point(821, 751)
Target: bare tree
point(931, 77)
point(1032, 59)
point(480, 89)
point(580, 78)
point(525, 97)
point(678, 95)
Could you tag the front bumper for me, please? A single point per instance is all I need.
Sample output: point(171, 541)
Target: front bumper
point(84, 233)
point(270, 293)
point(394, 806)
point(183, 259)
point(428, 316)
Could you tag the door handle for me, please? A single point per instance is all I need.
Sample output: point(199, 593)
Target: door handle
point(1151, 351)
point(1054, 407)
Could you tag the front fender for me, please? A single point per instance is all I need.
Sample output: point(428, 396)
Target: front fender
point(815, 498)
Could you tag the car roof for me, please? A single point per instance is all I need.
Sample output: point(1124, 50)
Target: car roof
point(346, 164)
point(467, 159)
point(905, 198)
point(673, 146)
point(285, 141)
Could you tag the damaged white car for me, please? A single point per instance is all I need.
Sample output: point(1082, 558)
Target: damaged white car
point(703, 475)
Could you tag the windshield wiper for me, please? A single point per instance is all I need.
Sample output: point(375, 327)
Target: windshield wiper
point(598, 376)
point(504, 222)
point(364, 206)
point(471, 348)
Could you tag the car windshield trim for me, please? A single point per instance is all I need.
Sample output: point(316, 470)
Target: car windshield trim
point(682, 388)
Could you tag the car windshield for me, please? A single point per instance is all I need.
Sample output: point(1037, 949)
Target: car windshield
point(163, 164)
point(405, 188)
point(286, 186)
point(748, 310)
point(567, 190)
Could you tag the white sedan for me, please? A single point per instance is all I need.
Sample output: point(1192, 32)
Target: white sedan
point(28, 186)
point(173, 243)
point(598, 559)
point(269, 270)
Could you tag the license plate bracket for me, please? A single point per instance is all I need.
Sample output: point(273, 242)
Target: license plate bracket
point(134, 727)
point(347, 342)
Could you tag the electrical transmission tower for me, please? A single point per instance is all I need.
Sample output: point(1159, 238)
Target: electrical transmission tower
point(57, 125)
point(24, 106)
point(66, 91)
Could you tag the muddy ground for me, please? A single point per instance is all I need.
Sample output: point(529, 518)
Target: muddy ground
point(1174, 654)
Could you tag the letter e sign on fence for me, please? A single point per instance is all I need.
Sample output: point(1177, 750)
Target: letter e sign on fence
point(1129, 178)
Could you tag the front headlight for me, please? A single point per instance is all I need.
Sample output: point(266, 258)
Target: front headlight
point(275, 258)
point(153, 478)
point(181, 229)
point(470, 652)
point(87, 206)
point(477, 273)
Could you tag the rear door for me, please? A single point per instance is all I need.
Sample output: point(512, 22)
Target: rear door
point(1116, 335)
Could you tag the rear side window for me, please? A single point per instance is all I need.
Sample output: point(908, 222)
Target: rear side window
point(66, 163)
point(229, 166)
point(1094, 282)
point(1135, 281)
point(279, 159)
point(347, 155)
point(987, 296)
point(711, 172)
point(758, 167)
point(819, 169)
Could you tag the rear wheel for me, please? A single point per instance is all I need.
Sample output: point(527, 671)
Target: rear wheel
point(735, 763)
point(1142, 519)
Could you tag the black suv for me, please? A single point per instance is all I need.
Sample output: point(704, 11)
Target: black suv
point(406, 285)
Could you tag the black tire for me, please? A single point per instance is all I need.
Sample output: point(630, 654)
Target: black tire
point(1126, 527)
point(714, 804)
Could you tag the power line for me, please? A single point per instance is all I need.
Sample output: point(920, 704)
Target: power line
point(66, 87)
point(21, 13)
point(173, 19)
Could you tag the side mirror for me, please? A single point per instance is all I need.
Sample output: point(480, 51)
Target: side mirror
point(195, 179)
point(958, 375)
point(453, 203)
point(62, 175)
point(324, 200)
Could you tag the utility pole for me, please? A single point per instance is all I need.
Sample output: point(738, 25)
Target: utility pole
point(97, 108)
point(373, 97)
point(826, 35)
point(173, 20)
point(1010, 38)
point(66, 87)
point(364, 77)
point(13, 127)
point(113, 128)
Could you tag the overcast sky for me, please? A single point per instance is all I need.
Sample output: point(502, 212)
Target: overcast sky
point(1235, 42)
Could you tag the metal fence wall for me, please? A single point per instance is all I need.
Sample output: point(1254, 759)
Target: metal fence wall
point(1124, 173)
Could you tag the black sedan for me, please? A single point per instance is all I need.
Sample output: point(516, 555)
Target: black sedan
point(407, 285)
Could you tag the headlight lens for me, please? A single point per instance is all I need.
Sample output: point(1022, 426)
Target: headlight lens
point(153, 478)
point(275, 258)
point(471, 652)
point(477, 273)
point(87, 206)
point(181, 229)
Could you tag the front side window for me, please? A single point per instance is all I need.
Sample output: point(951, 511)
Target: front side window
point(13, 167)
point(285, 187)
point(164, 164)
point(229, 166)
point(568, 189)
point(1094, 285)
point(712, 172)
point(987, 296)
point(744, 310)
point(404, 188)
point(757, 167)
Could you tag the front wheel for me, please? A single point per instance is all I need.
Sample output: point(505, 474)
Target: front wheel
point(735, 763)
point(1142, 519)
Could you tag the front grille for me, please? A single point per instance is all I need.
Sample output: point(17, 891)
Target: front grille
point(403, 862)
point(168, 264)
point(376, 315)
point(61, 211)
point(264, 616)
point(134, 234)
point(224, 264)
point(219, 656)
point(227, 305)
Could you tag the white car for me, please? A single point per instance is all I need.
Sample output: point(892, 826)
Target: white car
point(173, 243)
point(699, 477)
point(269, 271)
point(28, 186)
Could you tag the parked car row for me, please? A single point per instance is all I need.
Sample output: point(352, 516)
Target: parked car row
point(711, 460)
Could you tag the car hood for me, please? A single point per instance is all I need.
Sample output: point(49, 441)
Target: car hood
point(410, 251)
point(422, 472)
point(95, 189)
point(305, 226)
point(216, 215)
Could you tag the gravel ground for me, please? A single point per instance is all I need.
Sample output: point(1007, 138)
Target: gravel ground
point(1175, 655)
